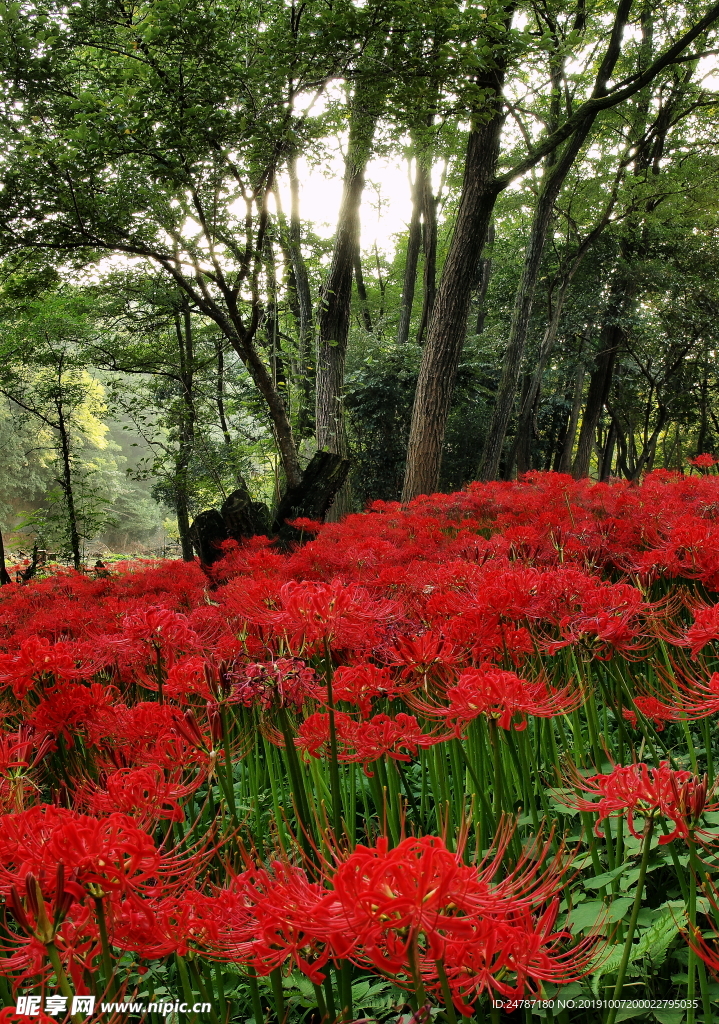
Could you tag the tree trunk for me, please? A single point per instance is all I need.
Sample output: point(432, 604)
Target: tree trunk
point(414, 240)
point(608, 453)
point(524, 300)
point(300, 301)
point(485, 275)
point(448, 324)
point(600, 383)
point(479, 192)
point(186, 429)
point(334, 313)
point(4, 574)
point(565, 460)
point(522, 445)
point(362, 291)
point(429, 242)
point(67, 485)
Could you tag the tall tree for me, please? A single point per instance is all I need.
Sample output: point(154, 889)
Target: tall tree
point(480, 189)
point(333, 319)
point(157, 132)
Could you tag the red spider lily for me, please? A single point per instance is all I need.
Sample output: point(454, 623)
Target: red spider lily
point(20, 753)
point(703, 630)
point(70, 708)
point(61, 921)
point(8, 1015)
point(360, 684)
point(110, 853)
point(266, 918)
point(36, 659)
point(186, 678)
point(704, 947)
point(386, 899)
point(678, 796)
point(77, 941)
point(421, 901)
point(423, 653)
point(703, 461)
point(148, 734)
point(24, 749)
point(155, 928)
point(159, 627)
point(342, 616)
point(652, 709)
point(399, 737)
point(148, 794)
point(500, 695)
point(283, 682)
point(513, 956)
point(604, 633)
point(699, 698)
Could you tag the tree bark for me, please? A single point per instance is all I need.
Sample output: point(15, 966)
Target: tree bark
point(447, 326)
point(485, 275)
point(565, 459)
point(67, 484)
point(600, 384)
point(479, 191)
point(4, 574)
point(300, 301)
point(429, 242)
point(186, 428)
point(522, 445)
point(362, 291)
point(334, 313)
point(608, 453)
point(524, 300)
point(414, 241)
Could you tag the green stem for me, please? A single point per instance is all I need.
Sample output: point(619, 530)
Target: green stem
point(334, 763)
point(277, 995)
point(694, 962)
point(621, 974)
point(255, 997)
point(419, 990)
point(446, 994)
point(106, 957)
point(497, 768)
point(54, 958)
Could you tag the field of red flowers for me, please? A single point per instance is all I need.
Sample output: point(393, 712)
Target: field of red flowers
point(437, 762)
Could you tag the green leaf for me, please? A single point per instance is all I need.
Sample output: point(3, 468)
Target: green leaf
point(599, 881)
point(652, 942)
point(669, 1016)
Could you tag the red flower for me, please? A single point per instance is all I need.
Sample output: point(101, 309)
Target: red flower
point(703, 630)
point(359, 684)
point(422, 902)
point(500, 695)
point(423, 653)
point(69, 708)
point(652, 709)
point(284, 682)
point(147, 793)
point(342, 616)
point(112, 852)
point(399, 737)
point(514, 955)
point(266, 918)
point(36, 659)
point(703, 461)
point(633, 789)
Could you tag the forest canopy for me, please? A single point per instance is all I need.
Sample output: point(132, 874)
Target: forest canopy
point(178, 325)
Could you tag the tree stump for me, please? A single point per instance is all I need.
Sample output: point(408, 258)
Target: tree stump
point(240, 517)
point(207, 532)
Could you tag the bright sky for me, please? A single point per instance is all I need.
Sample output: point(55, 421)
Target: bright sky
point(386, 203)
